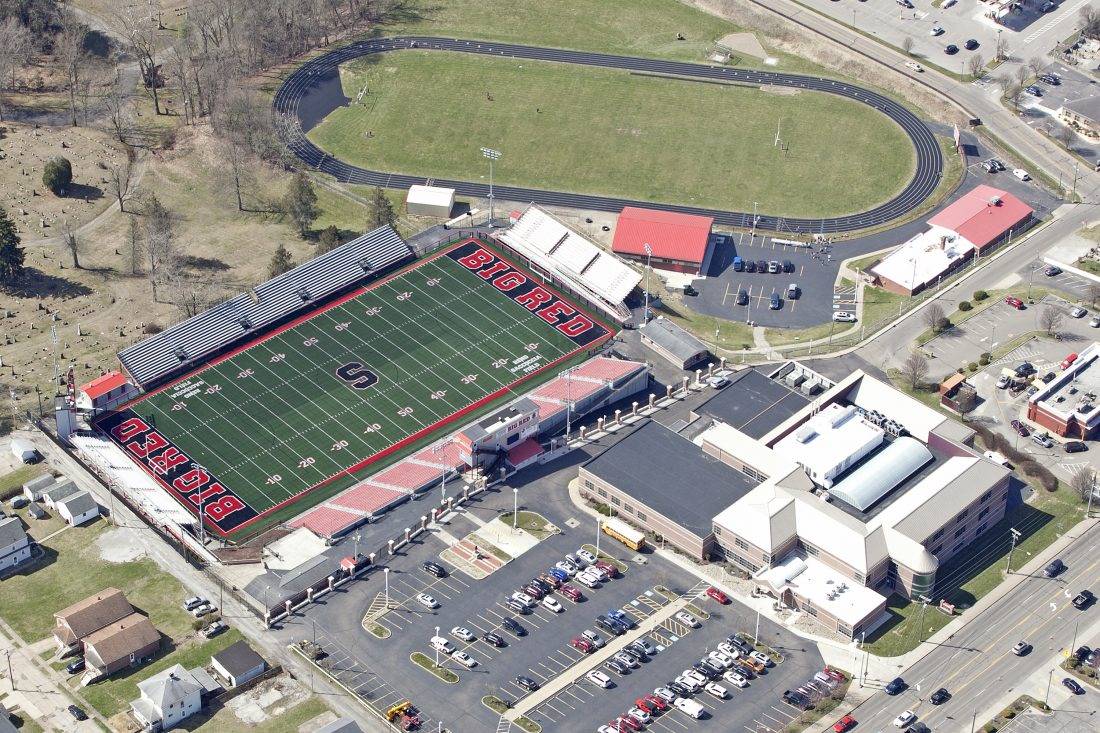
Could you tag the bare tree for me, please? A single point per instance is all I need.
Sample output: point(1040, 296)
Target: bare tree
point(15, 44)
point(71, 242)
point(160, 244)
point(1090, 21)
point(144, 40)
point(120, 178)
point(1000, 50)
point(1035, 65)
point(975, 64)
point(907, 45)
point(1022, 74)
point(933, 316)
point(1065, 135)
point(1005, 82)
point(135, 245)
point(119, 111)
point(914, 369)
point(1050, 319)
point(1083, 482)
point(1015, 91)
point(69, 50)
point(1093, 293)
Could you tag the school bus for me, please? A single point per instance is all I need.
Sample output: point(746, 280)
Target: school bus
point(623, 532)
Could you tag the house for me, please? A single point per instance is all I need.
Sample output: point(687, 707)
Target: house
point(15, 546)
point(104, 392)
point(238, 664)
point(341, 725)
point(73, 624)
point(33, 489)
point(167, 698)
point(77, 509)
point(59, 491)
point(24, 451)
point(1082, 113)
point(125, 643)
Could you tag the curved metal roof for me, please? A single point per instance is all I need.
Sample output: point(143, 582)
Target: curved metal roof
point(879, 475)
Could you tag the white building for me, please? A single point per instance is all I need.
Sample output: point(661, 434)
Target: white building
point(829, 443)
point(15, 546)
point(77, 509)
point(430, 201)
point(167, 698)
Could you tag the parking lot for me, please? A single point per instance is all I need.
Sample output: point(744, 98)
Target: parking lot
point(1040, 111)
point(381, 671)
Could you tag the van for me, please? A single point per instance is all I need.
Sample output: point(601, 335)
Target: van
point(738, 264)
point(792, 292)
point(689, 707)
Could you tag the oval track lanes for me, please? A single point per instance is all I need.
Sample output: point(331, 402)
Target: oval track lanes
point(929, 160)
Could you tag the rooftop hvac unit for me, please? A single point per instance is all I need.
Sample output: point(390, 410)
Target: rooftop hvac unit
point(839, 417)
point(810, 387)
point(893, 428)
point(877, 418)
point(994, 200)
point(805, 433)
point(843, 587)
point(794, 379)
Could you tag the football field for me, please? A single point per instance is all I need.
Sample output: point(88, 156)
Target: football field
point(302, 410)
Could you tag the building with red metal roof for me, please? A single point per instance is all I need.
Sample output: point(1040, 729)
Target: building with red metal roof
point(678, 242)
point(983, 216)
point(104, 392)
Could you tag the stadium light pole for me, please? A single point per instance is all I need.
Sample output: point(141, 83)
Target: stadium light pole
point(491, 155)
point(648, 269)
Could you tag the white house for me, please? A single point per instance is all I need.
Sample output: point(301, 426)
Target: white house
point(15, 546)
point(77, 509)
point(238, 664)
point(167, 698)
point(63, 489)
point(33, 489)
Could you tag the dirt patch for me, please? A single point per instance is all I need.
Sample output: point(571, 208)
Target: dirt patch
point(781, 91)
point(746, 43)
point(119, 546)
point(267, 700)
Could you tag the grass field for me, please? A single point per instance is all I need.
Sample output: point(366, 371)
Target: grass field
point(605, 131)
point(347, 385)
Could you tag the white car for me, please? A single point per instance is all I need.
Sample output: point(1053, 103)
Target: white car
point(665, 694)
point(1023, 176)
point(936, 30)
point(551, 604)
point(723, 660)
point(598, 678)
point(717, 690)
point(441, 644)
point(566, 568)
point(461, 632)
point(686, 618)
point(699, 679)
point(689, 707)
point(844, 317)
point(600, 574)
point(905, 719)
point(464, 659)
point(915, 66)
point(202, 610)
point(586, 556)
point(735, 679)
point(640, 715)
point(729, 650)
point(521, 597)
point(1078, 312)
point(762, 658)
point(587, 579)
point(193, 602)
point(426, 600)
point(689, 682)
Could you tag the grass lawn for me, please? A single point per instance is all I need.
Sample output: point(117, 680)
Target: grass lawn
point(533, 522)
point(114, 694)
point(605, 131)
point(73, 570)
point(423, 660)
point(225, 721)
point(11, 483)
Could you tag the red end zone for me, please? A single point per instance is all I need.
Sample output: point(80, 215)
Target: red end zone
point(227, 513)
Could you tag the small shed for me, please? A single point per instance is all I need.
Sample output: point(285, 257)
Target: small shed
point(24, 451)
point(430, 201)
point(33, 489)
point(673, 343)
point(238, 664)
point(77, 509)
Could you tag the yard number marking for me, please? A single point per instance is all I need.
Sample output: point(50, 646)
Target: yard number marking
point(274, 479)
point(307, 462)
point(405, 412)
point(245, 373)
point(404, 296)
point(276, 358)
point(469, 379)
point(373, 428)
point(311, 341)
point(439, 394)
point(339, 445)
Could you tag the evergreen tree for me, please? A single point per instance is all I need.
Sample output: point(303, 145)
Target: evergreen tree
point(281, 261)
point(300, 203)
point(329, 240)
point(11, 254)
point(57, 175)
point(381, 210)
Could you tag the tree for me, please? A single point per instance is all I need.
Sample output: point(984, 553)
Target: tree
point(975, 64)
point(1015, 91)
point(116, 104)
point(300, 203)
point(907, 45)
point(134, 245)
point(1035, 65)
point(1065, 135)
point(1090, 21)
point(160, 243)
point(11, 254)
point(281, 261)
point(933, 316)
point(329, 239)
point(1000, 50)
point(914, 369)
point(143, 37)
point(69, 49)
point(120, 179)
point(1050, 319)
point(15, 44)
point(1022, 74)
point(1083, 482)
point(380, 210)
point(1005, 82)
point(57, 174)
point(1093, 293)
point(71, 242)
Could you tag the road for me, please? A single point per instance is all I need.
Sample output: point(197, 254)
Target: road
point(1041, 152)
point(323, 70)
point(976, 664)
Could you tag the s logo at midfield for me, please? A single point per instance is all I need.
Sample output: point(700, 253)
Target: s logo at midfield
point(356, 375)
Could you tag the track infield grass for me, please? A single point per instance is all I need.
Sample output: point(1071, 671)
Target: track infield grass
point(606, 131)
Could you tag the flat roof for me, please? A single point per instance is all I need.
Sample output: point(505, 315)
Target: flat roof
point(753, 403)
point(835, 593)
point(1075, 390)
point(831, 442)
point(982, 214)
point(672, 476)
point(923, 258)
point(673, 338)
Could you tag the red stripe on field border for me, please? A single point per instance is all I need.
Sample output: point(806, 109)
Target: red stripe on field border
point(413, 437)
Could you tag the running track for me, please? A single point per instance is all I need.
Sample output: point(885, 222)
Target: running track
point(928, 167)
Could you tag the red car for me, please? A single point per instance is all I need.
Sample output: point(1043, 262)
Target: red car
point(835, 674)
point(550, 580)
point(718, 595)
point(1014, 302)
point(631, 723)
point(581, 644)
point(608, 568)
point(571, 593)
point(845, 723)
point(644, 705)
point(655, 702)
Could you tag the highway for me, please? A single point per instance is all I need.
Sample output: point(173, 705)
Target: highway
point(929, 160)
point(976, 664)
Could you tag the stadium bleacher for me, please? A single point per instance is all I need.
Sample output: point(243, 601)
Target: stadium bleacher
point(327, 521)
point(186, 344)
point(369, 497)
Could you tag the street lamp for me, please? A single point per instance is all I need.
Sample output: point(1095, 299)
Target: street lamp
point(515, 507)
point(648, 268)
point(436, 648)
point(598, 528)
point(491, 155)
point(386, 575)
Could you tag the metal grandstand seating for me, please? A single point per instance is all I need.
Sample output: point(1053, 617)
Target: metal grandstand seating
point(187, 343)
point(369, 498)
point(327, 521)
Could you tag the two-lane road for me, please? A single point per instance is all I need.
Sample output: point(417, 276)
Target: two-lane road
point(977, 665)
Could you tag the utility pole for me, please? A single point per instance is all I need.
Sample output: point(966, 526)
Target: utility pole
point(924, 601)
point(648, 269)
point(1046, 697)
point(1015, 537)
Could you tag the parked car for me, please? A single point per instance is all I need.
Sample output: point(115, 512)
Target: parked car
point(493, 638)
point(1082, 653)
point(750, 266)
point(1052, 270)
point(624, 658)
point(426, 600)
point(514, 626)
point(434, 568)
point(718, 595)
point(202, 609)
point(441, 645)
point(214, 629)
point(773, 302)
point(1075, 446)
point(936, 30)
point(193, 602)
point(462, 633)
point(587, 556)
point(527, 683)
point(535, 591)
point(844, 317)
point(77, 712)
point(573, 594)
point(1042, 439)
point(1021, 649)
point(1021, 174)
point(971, 44)
point(1083, 600)
point(582, 645)
point(951, 49)
point(762, 266)
point(617, 667)
point(552, 604)
point(550, 580)
point(1020, 428)
point(598, 678)
point(738, 264)
point(617, 614)
point(593, 637)
point(788, 266)
point(717, 690)
point(742, 297)
point(796, 699)
point(1077, 312)
point(686, 618)
point(646, 645)
point(464, 659)
point(735, 678)
point(75, 666)
point(1070, 684)
point(1014, 302)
